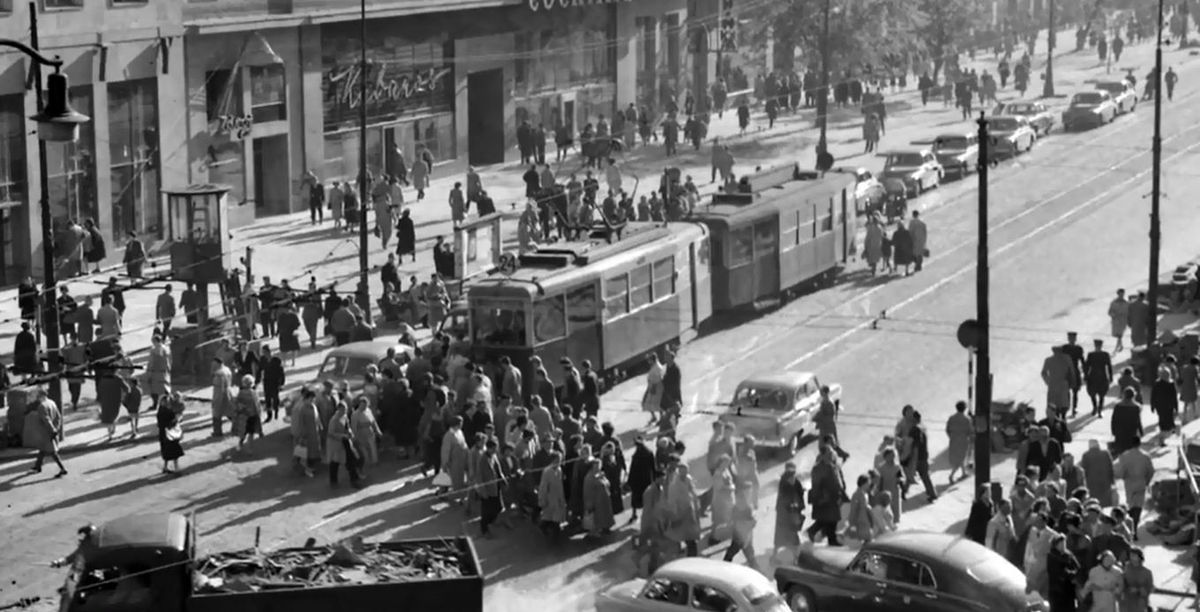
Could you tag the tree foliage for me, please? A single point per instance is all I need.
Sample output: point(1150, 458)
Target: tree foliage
point(946, 26)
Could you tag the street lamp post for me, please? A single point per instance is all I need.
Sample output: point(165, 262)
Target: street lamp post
point(57, 122)
point(1048, 83)
point(1156, 187)
point(364, 187)
point(823, 94)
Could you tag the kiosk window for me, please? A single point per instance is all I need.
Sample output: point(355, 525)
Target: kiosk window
point(616, 292)
point(639, 287)
point(741, 247)
point(664, 278)
point(581, 307)
point(549, 319)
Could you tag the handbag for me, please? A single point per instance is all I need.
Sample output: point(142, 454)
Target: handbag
point(300, 451)
point(441, 479)
point(174, 433)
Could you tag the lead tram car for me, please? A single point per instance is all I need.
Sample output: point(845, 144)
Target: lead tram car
point(608, 303)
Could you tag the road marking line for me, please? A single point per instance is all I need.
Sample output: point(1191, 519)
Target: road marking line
point(326, 521)
point(971, 267)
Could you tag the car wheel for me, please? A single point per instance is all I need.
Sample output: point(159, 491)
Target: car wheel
point(801, 599)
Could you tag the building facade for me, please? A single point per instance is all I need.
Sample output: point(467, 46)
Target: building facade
point(124, 59)
point(255, 93)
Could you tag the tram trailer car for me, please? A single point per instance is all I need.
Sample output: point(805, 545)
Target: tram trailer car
point(607, 303)
point(767, 244)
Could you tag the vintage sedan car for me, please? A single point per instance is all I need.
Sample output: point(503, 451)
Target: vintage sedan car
point(1089, 109)
point(958, 153)
point(1011, 136)
point(919, 169)
point(691, 584)
point(868, 191)
point(349, 363)
point(899, 572)
point(1039, 116)
point(777, 409)
point(1122, 95)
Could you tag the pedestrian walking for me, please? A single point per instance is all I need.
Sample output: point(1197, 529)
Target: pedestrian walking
point(1098, 374)
point(1062, 570)
point(316, 199)
point(980, 515)
point(168, 416)
point(1056, 375)
point(1001, 532)
point(1164, 402)
point(367, 433)
point(133, 405)
point(961, 433)
point(827, 496)
point(1105, 584)
point(598, 512)
point(1170, 79)
point(1189, 386)
point(919, 233)
point(743, 523)
point(454, 458)
point(789, 513)
point(339, 447)
point(859, 523)
point(1135, 468)
point(826, 422)
point(41, 430)
point(552, 501)
point(158, 369)
point(222, 396)
point(419, 175)
point(893, 481)
point(902, 248)
point(247, 423)
point(870, 132)
point(681, 508)
point(306, 432)
point(873, 243)
point(1138, 583)
point(164, 309)
point(135, 256)
point(1139, 320)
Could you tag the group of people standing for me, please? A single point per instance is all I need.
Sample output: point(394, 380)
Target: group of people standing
point(904, 249)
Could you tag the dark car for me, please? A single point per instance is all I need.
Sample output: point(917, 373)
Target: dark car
point(911, 570)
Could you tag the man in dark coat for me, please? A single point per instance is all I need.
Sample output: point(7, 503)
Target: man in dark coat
point(533, 181)
point(1126, 422)
point(525, 141)
point(1139, 320)
point(641, 474)
point(25, 351)
point(406, 236)
point(590, 394)
point(572, 392)
point(672, 396)
point(827, 496)
point(539, 143)
point(1098, 376)
point(1057, 426)
point(1075, 352)
point(1044, 452)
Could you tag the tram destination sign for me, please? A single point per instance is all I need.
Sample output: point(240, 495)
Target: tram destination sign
point(550, 5)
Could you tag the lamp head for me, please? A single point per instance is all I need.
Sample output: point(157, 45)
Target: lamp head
point(57, 121)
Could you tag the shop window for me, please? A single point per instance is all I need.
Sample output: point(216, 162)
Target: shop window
point(640, 279)
point(673, 43)
point(549, 320)
point(664, 278)
point(616, 294)
point(436, 134)
point(335, 157)
point(71, 168)
point(133, 155)
point(61, 4)
point(226, 163)
point(5, 6)
point(13, 186)
point(268, 93)
point(564, 57)
point(581, 307)
point(647, 43)
point(223, 94)
point(741, 251)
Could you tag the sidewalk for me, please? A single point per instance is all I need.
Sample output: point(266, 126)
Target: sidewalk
point(288, 247)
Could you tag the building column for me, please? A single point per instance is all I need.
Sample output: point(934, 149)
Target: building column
point(627, 41)
point(102, 157)
point(172, 126)
point(33, 218)
point(311, 102)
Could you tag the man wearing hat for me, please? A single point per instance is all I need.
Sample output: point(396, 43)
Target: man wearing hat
point(1107, 541)
point(1098, 375)
point(1075, 352)
point(1097, 464)
point(572, 393)
point(1056, 373)
point(1139, 320)
point(1136, 469)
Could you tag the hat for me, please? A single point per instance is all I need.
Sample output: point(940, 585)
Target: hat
point(1093, 505)
point(565, 361)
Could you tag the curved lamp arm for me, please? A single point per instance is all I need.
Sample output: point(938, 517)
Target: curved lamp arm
point(31, 52)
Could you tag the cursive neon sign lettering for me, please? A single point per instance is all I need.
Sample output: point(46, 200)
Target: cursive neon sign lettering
point(382, 88)
point(546, 5)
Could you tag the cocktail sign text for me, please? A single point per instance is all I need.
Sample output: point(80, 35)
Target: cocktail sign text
point(236, 127)
point(546, 5)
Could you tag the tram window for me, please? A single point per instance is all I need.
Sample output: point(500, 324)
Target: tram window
point(616, 294)
point(826, 224)
point(765, 239)
point(581, 307)
point(704, 252)
point(790, 234)
point(549, 319)
point(741, 250)
point(664, 278)
point(639, 287)
point(499, 326)
point(807, 231)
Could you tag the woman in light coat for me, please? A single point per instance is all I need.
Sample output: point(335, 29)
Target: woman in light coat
point(873, 244)
point(652, 398)
point(366, 432)
point(552, 500)
point(724, 496)
point(681, 509)
point(158, 370)
point(961, 433)
point(40, 431)
point(339, 446)
point(1105, 583)
point(596, 501)
point(454, 457)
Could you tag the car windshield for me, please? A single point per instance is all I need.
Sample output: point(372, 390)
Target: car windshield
point(952, 143)
point(1091, 97)
point(996, 572)
point(1112, 88)
point(751, 396)
point(905, 159)
point(1020, 109)
point(341, 367)
point(1005, 124)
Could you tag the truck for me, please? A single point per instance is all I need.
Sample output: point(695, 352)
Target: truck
point(148, 562)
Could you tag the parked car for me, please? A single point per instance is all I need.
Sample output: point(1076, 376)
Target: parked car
point(1089, 109)
point(1011, 136)
point(777, 408)
point(868, 191)
point(349, 363)
point(904, 571)
point(919, 169)
point(1122, 95)
point(691, 584)
point(1039, 116)
point(957, 153)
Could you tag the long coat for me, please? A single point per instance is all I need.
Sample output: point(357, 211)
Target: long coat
point(873, 245)
point(406, 235)
point(158, 370)
point(681, 510)
point(1099, 474)
point(41, 426)
point(455, 457)
point(1056, 374)
point(920, 237)
point(902, 246)
point(641, 474)
point(1126, 423)
point(223, 393)
point(166, 418)
point(596, 500)
point(338, 432)
point(1136, 469)
point(1164, 401)
point(366, 435)
point(1097, 372)
point(306, 428)
point(1139, 318)
point(828, 491)
point(789, 513)
point(1188, 382)
point(960, 431)
point(551, 498)
point(110, 393)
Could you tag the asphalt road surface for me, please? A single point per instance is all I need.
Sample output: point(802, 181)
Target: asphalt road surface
point(1068, 226)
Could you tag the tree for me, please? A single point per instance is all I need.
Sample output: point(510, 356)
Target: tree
point(946, 26)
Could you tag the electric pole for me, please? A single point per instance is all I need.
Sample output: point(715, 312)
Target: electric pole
point(1048, 78)
point(1156, 186)
point(823, 156)
point(983, 366)
point(364, 182)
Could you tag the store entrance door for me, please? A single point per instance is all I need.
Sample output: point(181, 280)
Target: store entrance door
point(271, 178)
point(485, 117)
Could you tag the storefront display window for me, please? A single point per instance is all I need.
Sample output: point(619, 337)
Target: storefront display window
point(133, 154)
point(437, 134)
point(268, 93)
point(72, 168)
point(571, 54)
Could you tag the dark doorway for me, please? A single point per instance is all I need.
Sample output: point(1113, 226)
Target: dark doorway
point(272, 193)
point(485, 117)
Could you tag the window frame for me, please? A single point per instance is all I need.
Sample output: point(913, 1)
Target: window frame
point(61, 5)
point(231, 92)
point(687, 592)
point(256, 74)
point(789, 231)
point(763, 250)
point(561, 298)
point(623, 295)
point(636, 289)
point(655, 278)
point(692, 598)
point(574, 324)
point(732, 259)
